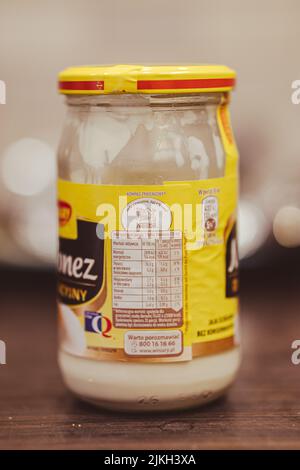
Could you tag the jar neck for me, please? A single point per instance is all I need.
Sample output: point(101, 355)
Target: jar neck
point(187, 100)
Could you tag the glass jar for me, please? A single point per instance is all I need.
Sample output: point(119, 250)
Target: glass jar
point(147, 291)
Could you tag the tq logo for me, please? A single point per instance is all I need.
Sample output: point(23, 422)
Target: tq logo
point(97, 323)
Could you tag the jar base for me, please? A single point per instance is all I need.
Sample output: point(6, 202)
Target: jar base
point(136, 387)
point(131, 407)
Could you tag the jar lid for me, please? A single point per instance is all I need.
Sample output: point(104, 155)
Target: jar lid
point(154, 79)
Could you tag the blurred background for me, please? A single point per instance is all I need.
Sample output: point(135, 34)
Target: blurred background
point(259, 39)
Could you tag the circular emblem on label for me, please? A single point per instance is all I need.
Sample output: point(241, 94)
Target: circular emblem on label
point(146, 214)
point(210, 224)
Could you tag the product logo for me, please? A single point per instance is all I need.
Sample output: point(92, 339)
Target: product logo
point(146, 214)
point(81, 266)
point(64, 213)
point(97, 323)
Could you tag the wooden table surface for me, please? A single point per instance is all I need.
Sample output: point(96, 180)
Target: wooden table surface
point(262, 410)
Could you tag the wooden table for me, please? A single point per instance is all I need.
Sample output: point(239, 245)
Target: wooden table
point(262, 410)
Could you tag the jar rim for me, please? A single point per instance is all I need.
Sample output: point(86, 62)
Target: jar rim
point(146, 79)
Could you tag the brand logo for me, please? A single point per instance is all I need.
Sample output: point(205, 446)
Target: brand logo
point(64, 213)
point(97, 323)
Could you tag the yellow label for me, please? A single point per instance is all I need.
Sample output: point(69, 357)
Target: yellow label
point(148, 273)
